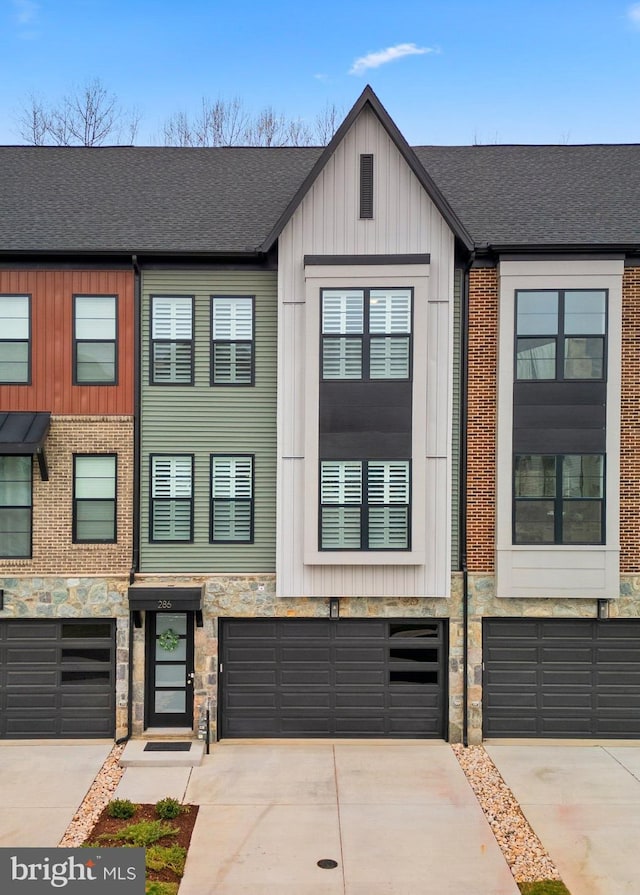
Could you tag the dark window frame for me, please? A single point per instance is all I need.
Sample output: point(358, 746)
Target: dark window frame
point(3, 507)
point(366, 337)
point(251, 501)
point(77, 500)
point(190, 342)
point(28, 340)
point(115, 341)
point(365, 506)
point(558, 501)
point(561, 336)
point(251, 342)
point(153, 500)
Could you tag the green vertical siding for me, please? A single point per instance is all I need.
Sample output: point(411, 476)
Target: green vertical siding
point(202, 420)
point(455, 447)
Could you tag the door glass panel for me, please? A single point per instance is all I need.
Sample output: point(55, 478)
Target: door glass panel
point(164, 654)
point(177, 621)
point(170, 675)
point(170, 701)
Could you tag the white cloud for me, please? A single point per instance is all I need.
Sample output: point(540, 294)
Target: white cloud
point(374, 60)
point(26, 11)
point(634, 14)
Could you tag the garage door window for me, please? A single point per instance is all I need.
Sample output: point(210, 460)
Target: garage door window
point(15, 507)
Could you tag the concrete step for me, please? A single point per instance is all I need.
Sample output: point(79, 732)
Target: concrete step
point(162, 752)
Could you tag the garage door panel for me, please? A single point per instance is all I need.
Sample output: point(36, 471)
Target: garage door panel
point(57, 678)
point(336, 678)
point(584, 681)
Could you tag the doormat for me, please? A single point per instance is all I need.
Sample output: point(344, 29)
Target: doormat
point(173, 746)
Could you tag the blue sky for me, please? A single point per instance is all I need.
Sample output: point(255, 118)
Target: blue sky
point(448, 71)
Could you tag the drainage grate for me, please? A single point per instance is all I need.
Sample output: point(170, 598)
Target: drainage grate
point(174, 746)
point(327, 863)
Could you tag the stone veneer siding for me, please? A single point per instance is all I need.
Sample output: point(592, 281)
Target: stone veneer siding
point(254, 597)
point(54, 553)
point(481, 418)
point(83, 597)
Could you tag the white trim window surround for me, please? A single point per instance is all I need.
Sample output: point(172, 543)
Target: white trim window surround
point(172, 340)
point(171, 516)
point(95, 339)
point(232, 349)
point(365, 504)
point(15, 339)
point(16, 506)
point(231, 499)
point(366, 334)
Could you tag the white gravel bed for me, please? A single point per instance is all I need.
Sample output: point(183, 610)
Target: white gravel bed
point(524, 853)
point(100, 792)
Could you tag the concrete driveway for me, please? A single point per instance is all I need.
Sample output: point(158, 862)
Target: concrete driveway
point(583, 801)
point(395, 818)
point(41, 786)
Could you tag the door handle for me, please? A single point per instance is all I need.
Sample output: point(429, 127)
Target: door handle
point(190, 677)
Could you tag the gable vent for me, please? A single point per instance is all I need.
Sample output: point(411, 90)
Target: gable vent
point(366, 185)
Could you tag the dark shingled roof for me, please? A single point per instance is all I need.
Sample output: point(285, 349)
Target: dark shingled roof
point(227, 200)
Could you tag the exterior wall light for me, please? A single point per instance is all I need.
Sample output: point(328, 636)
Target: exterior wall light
point(334, 607)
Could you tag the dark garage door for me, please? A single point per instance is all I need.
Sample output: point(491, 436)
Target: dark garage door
point(322, 677)
point(561, 678)
point(56, 679)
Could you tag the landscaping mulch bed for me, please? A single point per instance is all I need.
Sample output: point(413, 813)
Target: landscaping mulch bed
point(109, 826)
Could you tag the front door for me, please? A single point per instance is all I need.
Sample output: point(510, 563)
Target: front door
point(169, 687)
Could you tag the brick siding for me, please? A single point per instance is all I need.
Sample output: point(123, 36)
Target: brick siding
point(53, 550)
point(481, 419)
point(630, 424)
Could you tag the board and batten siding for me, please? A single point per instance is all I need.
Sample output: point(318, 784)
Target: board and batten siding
point(327, 222)
point(201, 419)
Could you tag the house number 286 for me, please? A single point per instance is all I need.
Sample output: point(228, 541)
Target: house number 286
point(164, 604)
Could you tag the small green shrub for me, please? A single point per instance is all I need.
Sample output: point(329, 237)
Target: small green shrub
point(160, 857)
point(168, 808)
point(142, 834)
point(121, 808)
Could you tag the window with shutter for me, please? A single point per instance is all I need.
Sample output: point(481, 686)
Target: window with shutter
point(172, 340)
point(172, 498)
point(348, 521)
point(94, 499)
point(232, 498)
point(15, 339)
point(232, 354)
point(95, 359)
point(366, 334)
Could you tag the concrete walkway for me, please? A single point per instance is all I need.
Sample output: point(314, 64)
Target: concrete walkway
point(396, 818)
point(583, 801)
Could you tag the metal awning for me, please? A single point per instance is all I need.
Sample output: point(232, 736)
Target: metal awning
point(24, 433)
point(165, 599)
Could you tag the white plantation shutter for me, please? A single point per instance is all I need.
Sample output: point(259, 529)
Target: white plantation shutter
point(171, 490)
point(232, 318)
point(171, 477)
point(232, 477)
point(172, 317)
point(389, 358)
point(232, 493)
point(342, 312)
point(342, 358)
point(388, 481)
point(341, 528)
point(390, 311)
point(341, 481)
point(388, 528)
